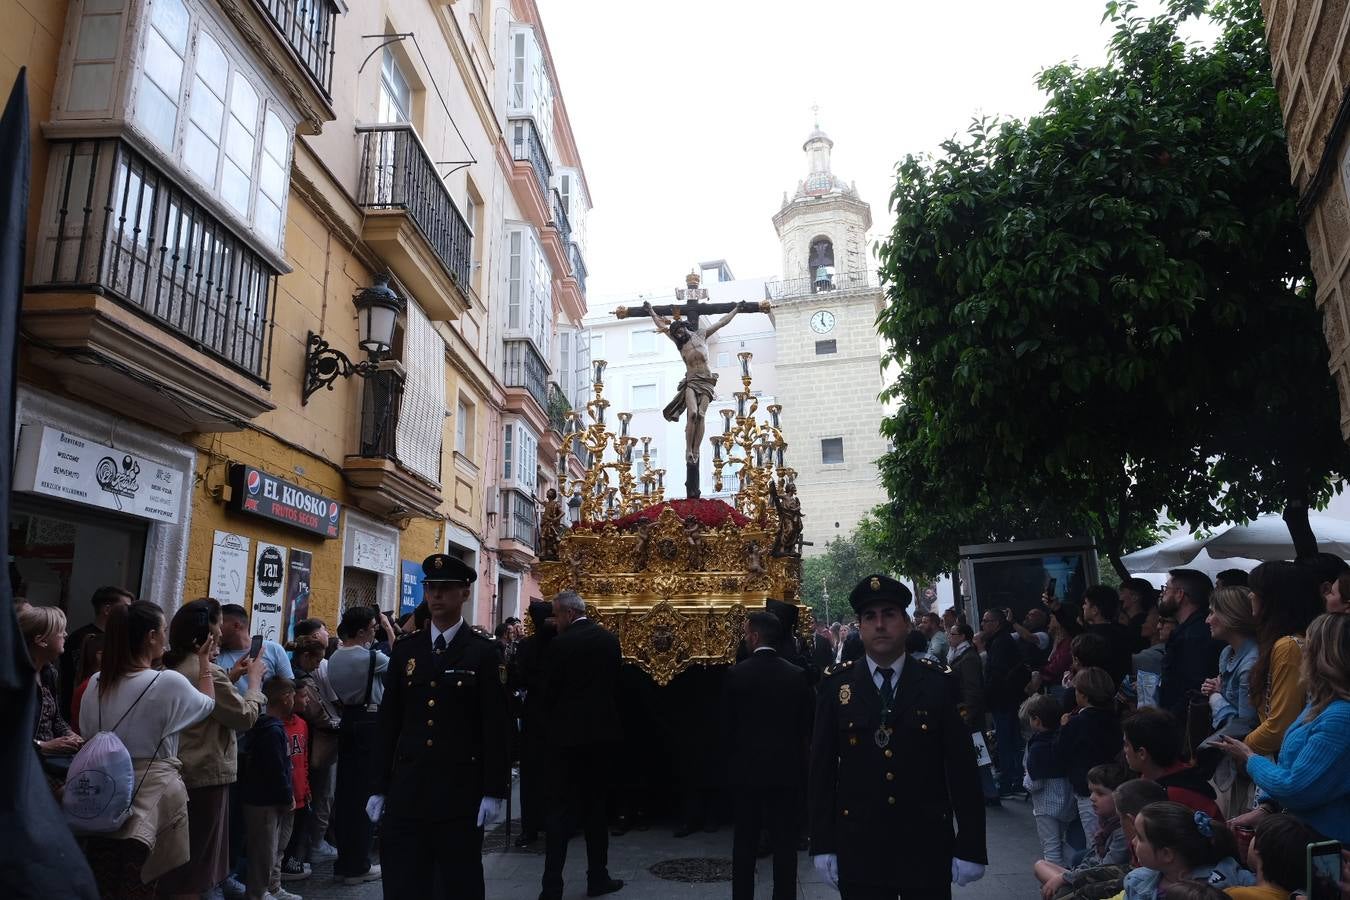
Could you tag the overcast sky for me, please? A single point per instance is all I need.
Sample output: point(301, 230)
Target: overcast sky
point(690, 116)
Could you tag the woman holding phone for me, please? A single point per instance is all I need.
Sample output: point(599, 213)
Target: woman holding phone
point(207, 749)
point(1310, 778)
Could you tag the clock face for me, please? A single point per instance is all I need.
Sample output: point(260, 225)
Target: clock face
point(822, 321)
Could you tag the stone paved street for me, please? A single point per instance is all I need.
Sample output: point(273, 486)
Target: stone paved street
point(515, 875)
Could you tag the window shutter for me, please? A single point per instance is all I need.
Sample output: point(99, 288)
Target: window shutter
point(421, 420)
point(514, 285)
point(506, 451)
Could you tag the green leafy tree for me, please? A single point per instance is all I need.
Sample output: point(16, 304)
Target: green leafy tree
point(846, 561)
point(1134, 248)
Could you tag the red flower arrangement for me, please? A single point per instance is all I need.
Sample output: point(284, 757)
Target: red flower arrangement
point(710, 514)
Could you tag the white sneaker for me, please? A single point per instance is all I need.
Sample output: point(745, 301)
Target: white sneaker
point(283, 894)
point(325, 850)
point(373, 875)
point(233, 888)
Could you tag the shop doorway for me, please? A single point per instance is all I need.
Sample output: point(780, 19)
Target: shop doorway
point(61, 553)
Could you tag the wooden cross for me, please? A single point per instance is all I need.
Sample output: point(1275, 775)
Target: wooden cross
point(693, 304)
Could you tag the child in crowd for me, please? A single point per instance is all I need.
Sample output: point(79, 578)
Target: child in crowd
point(1153, 739)
point(1052, 800)
point(293, 868)
point(1088, 737)
point(1107, 845)
point(1174, 844)
point(1131, 797)
point(1278, 854)
point(267, 791)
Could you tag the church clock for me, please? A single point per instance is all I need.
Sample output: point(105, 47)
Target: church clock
point(822, 322)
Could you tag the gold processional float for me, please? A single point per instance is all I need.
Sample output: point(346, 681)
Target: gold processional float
point(675, 579)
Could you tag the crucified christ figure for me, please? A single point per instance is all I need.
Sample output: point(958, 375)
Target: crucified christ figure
point(695, 391)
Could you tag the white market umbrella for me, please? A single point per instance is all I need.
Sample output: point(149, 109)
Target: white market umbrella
point(1266, 538)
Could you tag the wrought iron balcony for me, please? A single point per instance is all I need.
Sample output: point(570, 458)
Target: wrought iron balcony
point(307, 26)
point(518, 522)
point(840, 282)
point(558, 407)
point(560, 220)
point(578, 264)
point(381, 400)
point(397, 173)
point(525, 368)
point(125, 230)
point(528, 146)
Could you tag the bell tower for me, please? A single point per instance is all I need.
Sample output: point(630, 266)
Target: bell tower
point(828, 352)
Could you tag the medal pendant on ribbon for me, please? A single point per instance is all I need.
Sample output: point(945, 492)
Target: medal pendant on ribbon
point(882, 736)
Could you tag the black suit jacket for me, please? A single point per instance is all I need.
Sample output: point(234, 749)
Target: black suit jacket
point(443, 728)
point(766, 721)
point(822, 652)
point(581, 675)
point(896, 816)
point(1192, 656)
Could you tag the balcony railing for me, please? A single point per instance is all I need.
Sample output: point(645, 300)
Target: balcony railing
point(578, 264)
point(307, 26)
point(558, 407)
point(527, 146)
point(381, 400)
point(397, 173)
point(518, 517)
point(125, 230)
point(560, 220)
point(525, 368)
point(840, 282)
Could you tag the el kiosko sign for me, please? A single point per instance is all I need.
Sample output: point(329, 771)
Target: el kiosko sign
point(70, 467)
point(260, 494)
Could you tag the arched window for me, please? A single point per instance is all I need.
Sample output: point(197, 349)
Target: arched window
point(820, 264)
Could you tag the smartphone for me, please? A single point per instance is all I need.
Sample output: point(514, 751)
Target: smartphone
point(1050, 586)
point(256, 647)
point(1324, 870)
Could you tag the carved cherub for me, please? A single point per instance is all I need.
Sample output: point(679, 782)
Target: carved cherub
point(789, 508)
point(644, 545)
point(574, 567)
point(550, 526)
point(754, 559)
point(693, 533)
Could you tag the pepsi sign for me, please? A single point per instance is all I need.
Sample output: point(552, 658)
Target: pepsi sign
point(261, 494)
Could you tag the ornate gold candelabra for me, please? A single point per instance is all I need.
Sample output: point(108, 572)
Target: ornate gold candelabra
point(754, 449)
point(608, 489)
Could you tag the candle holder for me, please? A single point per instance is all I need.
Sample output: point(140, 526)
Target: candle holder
point(608, 489)
point(750, 451)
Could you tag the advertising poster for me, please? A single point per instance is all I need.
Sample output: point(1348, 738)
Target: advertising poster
point(269, 577)
point(229, 567)
point(410, 586)
point(297, 590)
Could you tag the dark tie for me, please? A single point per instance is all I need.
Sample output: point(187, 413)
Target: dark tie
point(439, 645)
point(887, 692)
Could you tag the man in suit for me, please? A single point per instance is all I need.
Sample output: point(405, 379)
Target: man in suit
point(581, 673)
point(529, 676)
point(441, 765)
point(766, 723)
point(877, 833)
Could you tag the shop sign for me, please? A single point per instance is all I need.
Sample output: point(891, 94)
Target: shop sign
point(59, 464)
point(268, 575)
point(371, 552)
point(265, 495)
point(229, 567)
point(297, 589)
point(410, 586)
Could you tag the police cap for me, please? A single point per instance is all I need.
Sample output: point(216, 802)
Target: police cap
point(876, 589)
point(441, 567)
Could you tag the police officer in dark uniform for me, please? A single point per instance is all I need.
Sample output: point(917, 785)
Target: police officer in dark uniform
point(441, 766)
point(877, 830)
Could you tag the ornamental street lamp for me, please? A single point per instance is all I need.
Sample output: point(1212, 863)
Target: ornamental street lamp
point(377, 311)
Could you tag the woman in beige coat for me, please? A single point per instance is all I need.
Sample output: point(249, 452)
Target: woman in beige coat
point(207, 751)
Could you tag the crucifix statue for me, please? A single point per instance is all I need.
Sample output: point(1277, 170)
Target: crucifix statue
point(680, 322)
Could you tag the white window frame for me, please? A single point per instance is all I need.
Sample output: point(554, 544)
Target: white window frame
point(520, 456)
point(88, 29)
point(462, 427)
point(395, 100)
point(644, 346)
point(529, 289)
point(653, 403)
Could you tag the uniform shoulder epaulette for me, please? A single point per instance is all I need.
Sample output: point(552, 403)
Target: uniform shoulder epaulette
point(838, 667)
point(933, 664)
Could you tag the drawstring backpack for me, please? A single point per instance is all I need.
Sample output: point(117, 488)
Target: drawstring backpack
point(100, 787)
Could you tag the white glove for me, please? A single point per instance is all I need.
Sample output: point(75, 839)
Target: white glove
point(375, 807)
point(963, 873)
point(827, 864)
point(490, 810)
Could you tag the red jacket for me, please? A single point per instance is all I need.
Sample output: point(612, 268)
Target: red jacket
point(297, 744)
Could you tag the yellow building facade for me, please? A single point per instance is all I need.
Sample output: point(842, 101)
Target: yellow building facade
point(225, 195)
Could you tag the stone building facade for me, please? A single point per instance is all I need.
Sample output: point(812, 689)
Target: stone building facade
point(218, 188)
point(1310, 55)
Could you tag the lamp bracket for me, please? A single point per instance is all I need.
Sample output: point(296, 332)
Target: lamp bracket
point(325, 364)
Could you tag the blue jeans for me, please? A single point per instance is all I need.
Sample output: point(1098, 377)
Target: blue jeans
point(1008, 736)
